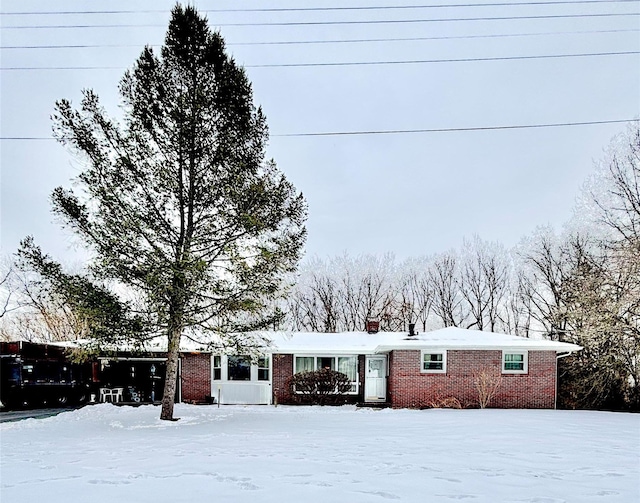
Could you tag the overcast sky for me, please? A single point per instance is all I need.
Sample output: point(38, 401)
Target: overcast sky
point(411, 193)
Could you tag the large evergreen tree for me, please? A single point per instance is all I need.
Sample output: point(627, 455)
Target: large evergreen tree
point(177, 201)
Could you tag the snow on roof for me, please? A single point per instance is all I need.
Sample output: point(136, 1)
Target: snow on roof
point(382, 342)
point(157, 344)
point(363, 343)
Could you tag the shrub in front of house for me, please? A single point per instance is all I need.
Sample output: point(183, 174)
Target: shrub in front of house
point(320, 387)
point(449, 402)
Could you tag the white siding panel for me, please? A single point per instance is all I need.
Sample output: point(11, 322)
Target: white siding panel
point(245, 393)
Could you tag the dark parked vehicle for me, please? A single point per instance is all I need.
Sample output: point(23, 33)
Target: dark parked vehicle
point(35, 375)
point(38, 375)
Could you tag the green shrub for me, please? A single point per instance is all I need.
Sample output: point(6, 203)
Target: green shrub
point(320, 387)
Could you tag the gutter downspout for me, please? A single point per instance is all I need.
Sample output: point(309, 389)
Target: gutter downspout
point(555, 398)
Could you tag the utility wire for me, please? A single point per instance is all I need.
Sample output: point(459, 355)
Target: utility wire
point(451, 130)
point(457, 60)
point(325, 9)
point(328, 23)
point(397, 131)
point(352, 63)
point(336, 41)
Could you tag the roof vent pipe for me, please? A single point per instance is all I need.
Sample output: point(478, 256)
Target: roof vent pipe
point(412, 329)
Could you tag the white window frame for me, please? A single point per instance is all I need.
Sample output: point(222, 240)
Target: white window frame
point(224, 370)
point(525, 361)
point(443, 352)
point(355, 385)
point(214, 368)
point(267, 360)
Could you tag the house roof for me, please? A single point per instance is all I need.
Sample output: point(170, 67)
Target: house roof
point(383, 342)
point(350, 343)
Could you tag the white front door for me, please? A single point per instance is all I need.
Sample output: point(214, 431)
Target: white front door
point(375, 381)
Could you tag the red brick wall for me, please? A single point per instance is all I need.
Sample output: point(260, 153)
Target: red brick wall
point(361, 376)
point(282, 372)
point(196, 376)
point(408, 387)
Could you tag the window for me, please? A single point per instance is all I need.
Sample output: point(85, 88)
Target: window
point(325, 362)
point(238, 368)
point(348, 365)
point(514, 362)
point(304, 364)
point(241, 368)
point(434, 362)
point(263, 368)
point(217, 368)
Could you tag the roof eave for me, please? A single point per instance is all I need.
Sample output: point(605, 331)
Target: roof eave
point(564, 347)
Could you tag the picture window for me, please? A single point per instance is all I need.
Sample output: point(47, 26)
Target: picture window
point(238, 368)
point(348, 365)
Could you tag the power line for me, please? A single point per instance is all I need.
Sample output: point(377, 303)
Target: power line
point(353, 63)
point(451, 130)
point(398, 131)
point(325, 9)
point(456, 60)
point(337, 41)
point(327, 23)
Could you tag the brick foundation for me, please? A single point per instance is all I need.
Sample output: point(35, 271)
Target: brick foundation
point(410, 388)
point(195, 376)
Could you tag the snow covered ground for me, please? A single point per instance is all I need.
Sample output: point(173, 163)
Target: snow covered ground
point(104, 453)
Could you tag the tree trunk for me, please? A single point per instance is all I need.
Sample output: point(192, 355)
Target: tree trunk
point(173, 353)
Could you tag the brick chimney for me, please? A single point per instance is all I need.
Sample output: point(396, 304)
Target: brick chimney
point(372, 326)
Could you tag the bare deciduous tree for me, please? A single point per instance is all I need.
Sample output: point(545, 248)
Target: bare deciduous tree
point(415, 294)
point(618, 197)
point(515, 317)
point(483, 282)
point(444, 284)
point(8, 285)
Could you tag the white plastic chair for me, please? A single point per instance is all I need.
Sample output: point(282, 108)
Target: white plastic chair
point(106, 395)
point(117, 393)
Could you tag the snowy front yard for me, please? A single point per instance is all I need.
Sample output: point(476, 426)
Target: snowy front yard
point(104, 453)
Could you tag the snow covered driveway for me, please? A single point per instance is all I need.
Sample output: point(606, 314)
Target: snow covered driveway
point(104, 453)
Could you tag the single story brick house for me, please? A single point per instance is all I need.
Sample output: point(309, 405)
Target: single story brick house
point(393, 368)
